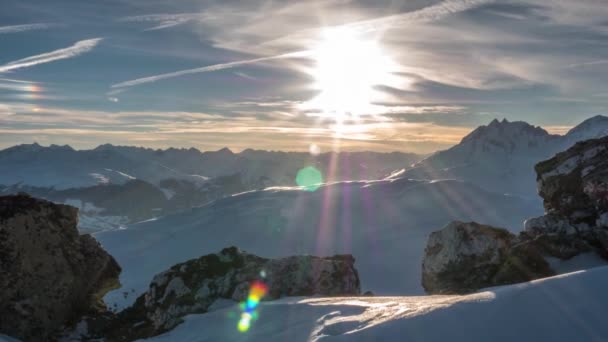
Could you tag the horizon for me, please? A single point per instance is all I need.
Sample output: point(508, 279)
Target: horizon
point(553, 130)
point(343, 75)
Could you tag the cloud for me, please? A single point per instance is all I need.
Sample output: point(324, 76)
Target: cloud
point(83, 128)
point(75, 50)
point(164, 21)
point(430, 13)
point(26, 27)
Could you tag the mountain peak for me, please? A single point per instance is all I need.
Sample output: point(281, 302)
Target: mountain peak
point(34, 147)
point(594, 127)
point(60, 147)
point(505, 129)
point(225, 150)
point(103, 147)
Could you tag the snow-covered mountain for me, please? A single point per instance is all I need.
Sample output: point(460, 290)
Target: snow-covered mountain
point(501, 156)
point(117, 185)
point(595, 127)
point(62, 167)
point(565, 308)
point(384, 224)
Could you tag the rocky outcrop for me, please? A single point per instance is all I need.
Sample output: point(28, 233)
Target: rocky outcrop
point(193, 286)
point(463, 257)
point(49, 274)
point(574, 186)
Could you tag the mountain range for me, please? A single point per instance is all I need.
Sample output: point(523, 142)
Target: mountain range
point(114, 186)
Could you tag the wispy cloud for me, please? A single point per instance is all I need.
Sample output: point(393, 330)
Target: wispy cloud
point(164, 21)
point(430, 13)
point(209, 131)
point(26, 27)
point(75, 50)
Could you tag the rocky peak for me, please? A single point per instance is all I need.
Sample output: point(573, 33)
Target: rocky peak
point(506, 134)
point(49, 275)
point(24, 148)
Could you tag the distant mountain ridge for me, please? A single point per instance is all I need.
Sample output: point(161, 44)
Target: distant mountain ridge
point(117, 185)
point(501, 156)
point(63, 167)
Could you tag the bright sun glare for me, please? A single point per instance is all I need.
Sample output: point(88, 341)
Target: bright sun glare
point(348, 66)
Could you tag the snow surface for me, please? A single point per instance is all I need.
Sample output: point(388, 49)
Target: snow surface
point(384, 224)
point(566, 308)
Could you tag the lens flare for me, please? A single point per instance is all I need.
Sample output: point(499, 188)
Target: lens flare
point(257, 291)
point(309, 178)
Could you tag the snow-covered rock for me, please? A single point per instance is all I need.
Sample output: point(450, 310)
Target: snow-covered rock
point(574, 183)
point(49, 275)
point(565, 308)
point(194, 286)
point(574, 188)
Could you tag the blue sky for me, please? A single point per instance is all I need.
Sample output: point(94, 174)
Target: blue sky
point(245, 74)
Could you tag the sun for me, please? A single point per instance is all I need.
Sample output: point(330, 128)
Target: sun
point(348, 67)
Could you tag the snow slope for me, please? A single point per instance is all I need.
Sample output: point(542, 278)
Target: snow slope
point(566, 308)
point(384, 224)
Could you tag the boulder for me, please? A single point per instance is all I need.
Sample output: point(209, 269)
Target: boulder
point(49, 274)
point(193, 286)
point(463, 257)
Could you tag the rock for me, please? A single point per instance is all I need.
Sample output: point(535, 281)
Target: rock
point(193, 286)
point(574, 183)
point(464, 257)
point(49, 275)
point(574, 186)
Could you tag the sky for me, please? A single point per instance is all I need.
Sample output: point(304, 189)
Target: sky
point(384, 75)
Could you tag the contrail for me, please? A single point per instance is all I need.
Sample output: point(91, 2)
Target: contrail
point(77, 49)
point(430, 13)
point(209, 68)
point(164, 20)
point(25, 27)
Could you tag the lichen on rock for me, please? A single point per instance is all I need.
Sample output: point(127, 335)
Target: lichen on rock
point(49, 274)
point(463, 257)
